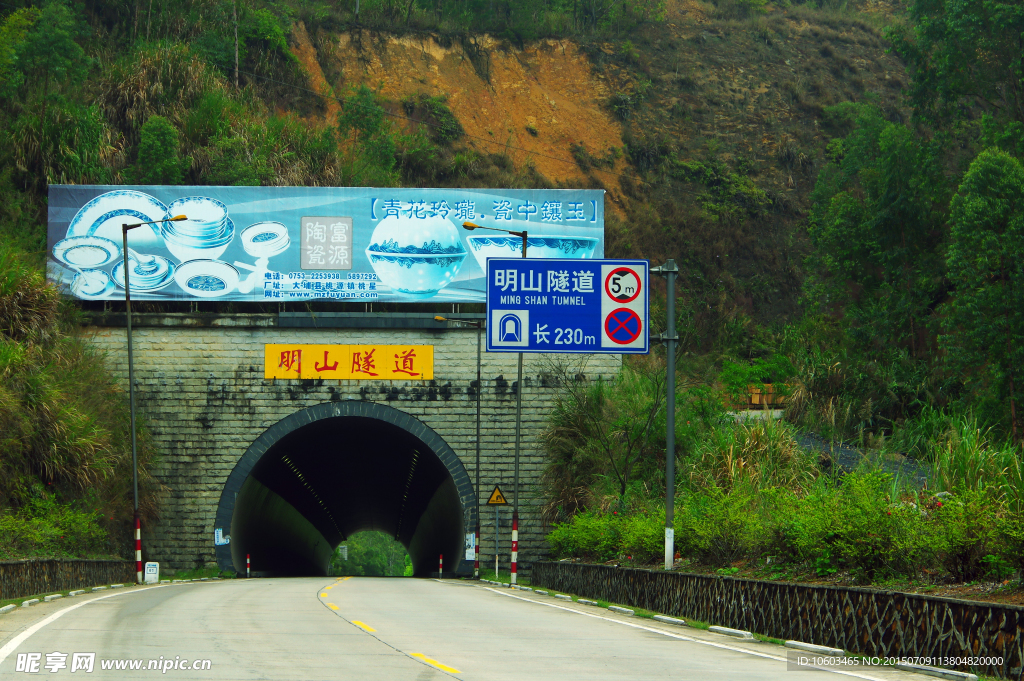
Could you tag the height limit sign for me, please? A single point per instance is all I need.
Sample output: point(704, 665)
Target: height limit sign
point(556, 305)
point(624, 305)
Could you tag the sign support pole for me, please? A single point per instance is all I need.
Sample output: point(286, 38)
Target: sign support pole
point(669, 271)
point(479, 394)
point(131, 409)
point(519, 423)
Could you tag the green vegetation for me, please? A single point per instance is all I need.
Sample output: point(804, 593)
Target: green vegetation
point(65, 458)
point(372, 554)
point(849, 237)
point(907, 346)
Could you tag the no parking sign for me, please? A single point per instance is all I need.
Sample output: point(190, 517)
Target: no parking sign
point(567, 305)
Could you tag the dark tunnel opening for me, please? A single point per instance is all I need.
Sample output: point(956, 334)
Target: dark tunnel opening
point(318, 483)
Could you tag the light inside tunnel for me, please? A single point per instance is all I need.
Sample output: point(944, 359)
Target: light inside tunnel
point(334, 477)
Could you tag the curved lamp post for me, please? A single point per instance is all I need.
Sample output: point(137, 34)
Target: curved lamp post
point(519, 416)
point(131, 389)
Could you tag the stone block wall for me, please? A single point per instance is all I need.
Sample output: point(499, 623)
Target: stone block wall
point(201, 392)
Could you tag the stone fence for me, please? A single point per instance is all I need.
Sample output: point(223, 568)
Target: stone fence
point(871, 623)
point(38, 576)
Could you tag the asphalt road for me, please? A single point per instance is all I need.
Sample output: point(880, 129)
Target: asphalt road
point(376, 629)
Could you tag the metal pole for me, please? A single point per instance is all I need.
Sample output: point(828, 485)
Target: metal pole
point(131, 411)
point(479, 391)
point(670, 270)
point(519, 423)
point(497, 526)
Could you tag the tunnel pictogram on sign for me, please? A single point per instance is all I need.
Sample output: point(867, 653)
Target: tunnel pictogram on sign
point(623, 326)
point(497, 498)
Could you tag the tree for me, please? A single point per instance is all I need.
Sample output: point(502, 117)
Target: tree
point(158, 161)
point(367, 131)
point(50, 53)
point(985, 326)
point(13, 30)
point(965, 56)
point(610, 422)
point(877, 227)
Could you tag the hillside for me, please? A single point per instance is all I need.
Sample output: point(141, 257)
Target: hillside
point(839, 180)
point(706, 129)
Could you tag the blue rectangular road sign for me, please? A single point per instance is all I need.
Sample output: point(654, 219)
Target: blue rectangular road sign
point(563, 305)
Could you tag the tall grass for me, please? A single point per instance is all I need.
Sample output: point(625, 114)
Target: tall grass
point(967, 457)
point(760, 454)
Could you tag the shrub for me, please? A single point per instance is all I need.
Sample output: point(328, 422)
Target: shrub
point(643, 536)
point(444, 127)
point(591, 536)
point(860, 526)
point(967, 531)
point(45, 527)
point(719, 527)
point(158, 162)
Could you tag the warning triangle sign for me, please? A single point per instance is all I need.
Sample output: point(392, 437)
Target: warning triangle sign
point(497, 498)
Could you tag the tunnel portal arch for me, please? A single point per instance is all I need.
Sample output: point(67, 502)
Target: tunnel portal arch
point(333, 469)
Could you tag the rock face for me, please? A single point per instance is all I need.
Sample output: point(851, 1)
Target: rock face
point(541, 99)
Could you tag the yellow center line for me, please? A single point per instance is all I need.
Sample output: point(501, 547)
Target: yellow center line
point(323, 595)
point(329, 588)
point(361, 625)
point(435, 663)
point(332, 606)
point(347, 578)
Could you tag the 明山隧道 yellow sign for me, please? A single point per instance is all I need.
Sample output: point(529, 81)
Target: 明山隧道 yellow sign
point(351, 362)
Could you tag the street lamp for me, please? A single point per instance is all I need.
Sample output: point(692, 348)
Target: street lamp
point(519, 416)
point(131, 389)
point(479, 390)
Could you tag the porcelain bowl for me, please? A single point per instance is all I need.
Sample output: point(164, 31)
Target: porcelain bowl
point(203, 213)
point(191, 248)
point(416, 275)
point(186, 253)
point(416, 257)
point(507, 246)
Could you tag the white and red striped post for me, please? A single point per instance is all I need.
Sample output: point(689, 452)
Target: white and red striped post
point(440, 566)
point(515, 544)
point(247, 566)
point(476, 555)
point(138, 549)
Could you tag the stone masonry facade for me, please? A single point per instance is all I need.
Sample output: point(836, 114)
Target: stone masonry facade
point(201, 393)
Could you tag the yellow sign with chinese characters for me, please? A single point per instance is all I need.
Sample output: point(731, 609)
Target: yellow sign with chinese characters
point(350, 362)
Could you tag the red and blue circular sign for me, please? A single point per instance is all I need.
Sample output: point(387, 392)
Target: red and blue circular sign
point(623, 326)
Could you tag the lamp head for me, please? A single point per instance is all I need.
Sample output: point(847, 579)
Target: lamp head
point(177, 218)
point(440, 319)
point(469, 225)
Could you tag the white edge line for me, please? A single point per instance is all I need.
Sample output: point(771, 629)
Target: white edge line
point(678, 636)
point(13, 644)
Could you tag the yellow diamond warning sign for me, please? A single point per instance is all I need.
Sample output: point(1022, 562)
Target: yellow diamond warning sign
point(497, 498)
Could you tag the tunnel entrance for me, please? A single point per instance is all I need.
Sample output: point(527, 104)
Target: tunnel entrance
point(335, 469)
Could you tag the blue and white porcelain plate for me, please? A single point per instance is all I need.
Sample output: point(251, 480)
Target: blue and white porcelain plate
point(92, 284)
point(141, 280)
point(104, 215)
point(206, 278)
point(86, 252)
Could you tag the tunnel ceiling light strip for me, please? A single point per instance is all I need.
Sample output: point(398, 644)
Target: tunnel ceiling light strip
point(405, 494)
point(302, 479)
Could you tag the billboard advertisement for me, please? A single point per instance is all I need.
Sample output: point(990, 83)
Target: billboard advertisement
point(307, 243)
